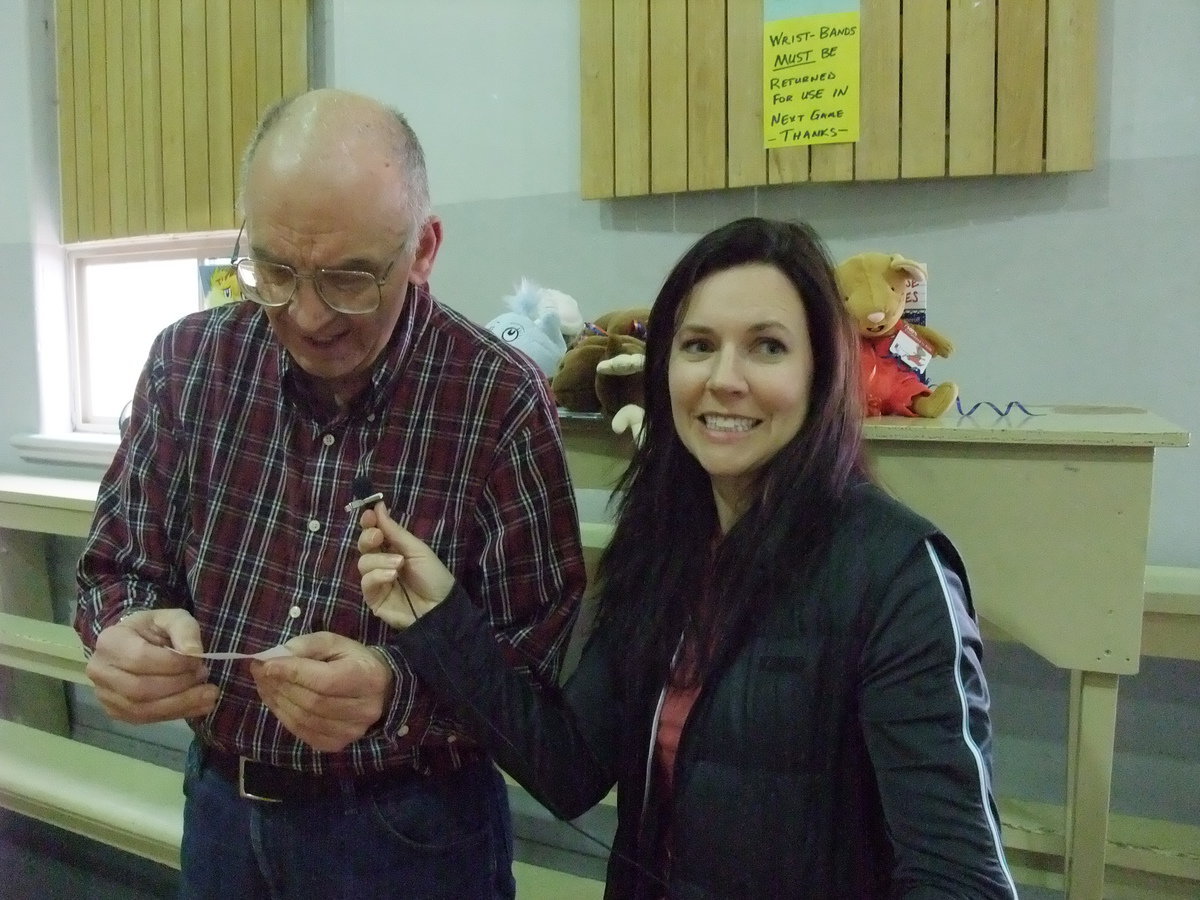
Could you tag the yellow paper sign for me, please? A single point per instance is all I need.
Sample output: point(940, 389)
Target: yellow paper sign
point(811, 80)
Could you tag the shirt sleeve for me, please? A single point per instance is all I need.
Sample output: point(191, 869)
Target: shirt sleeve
point(129, 561)
point(924, 706)
point(561, 746)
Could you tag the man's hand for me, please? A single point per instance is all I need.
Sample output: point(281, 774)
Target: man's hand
point(139, 680)
point(402, 578)
point(330, 693)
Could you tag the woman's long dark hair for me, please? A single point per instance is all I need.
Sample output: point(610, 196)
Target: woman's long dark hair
point(661, 561)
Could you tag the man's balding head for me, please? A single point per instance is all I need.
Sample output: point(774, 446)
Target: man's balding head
point(339, 135)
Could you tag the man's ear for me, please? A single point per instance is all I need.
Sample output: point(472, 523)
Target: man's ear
point(429, 239)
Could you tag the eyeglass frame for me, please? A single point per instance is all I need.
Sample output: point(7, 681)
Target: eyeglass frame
point(380, 280)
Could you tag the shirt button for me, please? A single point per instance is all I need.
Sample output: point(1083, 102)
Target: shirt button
point(402, 730)
point(450, 739)
point(314, 526)
point(294, 612)
point(327, 440)
point(371, 417)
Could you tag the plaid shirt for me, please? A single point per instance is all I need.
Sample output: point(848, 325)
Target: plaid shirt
point(227, 497)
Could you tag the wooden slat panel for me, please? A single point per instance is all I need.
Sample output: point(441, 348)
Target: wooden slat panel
point(1020, 88)
point(706, 94)
point(747, 163)
point(294, 41)
point(114, 89)
point(195, 115)
point(268, 52)
point(221, 153)
point(972, 86)
point(152, 157)
point(668, 96)
point(98, 149)
point(244, 77)
point(631, 100)
point(787, 165)
point(1071, 41)
point(596, 94)
point(68, 181)
point(84, 183)
point(923, 90)
point(170, 52)
point(877, 152)
point(135, 184)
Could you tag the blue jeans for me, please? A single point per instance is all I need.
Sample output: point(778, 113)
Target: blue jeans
point(441, 836)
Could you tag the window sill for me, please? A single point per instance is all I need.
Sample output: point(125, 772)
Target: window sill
point(76, 449)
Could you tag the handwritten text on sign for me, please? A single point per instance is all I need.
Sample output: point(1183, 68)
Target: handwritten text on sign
point(811, 79)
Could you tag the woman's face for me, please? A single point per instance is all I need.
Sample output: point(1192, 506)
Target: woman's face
point(739, 375)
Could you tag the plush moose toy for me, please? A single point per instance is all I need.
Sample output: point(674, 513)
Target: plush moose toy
point(893, 352)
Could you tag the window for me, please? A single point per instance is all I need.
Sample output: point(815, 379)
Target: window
point(120, 295)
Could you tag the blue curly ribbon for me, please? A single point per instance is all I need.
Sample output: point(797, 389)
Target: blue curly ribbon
point(1007, 409)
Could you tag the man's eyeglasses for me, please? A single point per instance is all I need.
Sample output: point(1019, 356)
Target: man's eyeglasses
point(346, 291)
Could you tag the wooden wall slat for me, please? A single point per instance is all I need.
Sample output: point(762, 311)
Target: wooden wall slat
point(596, 90)
point(195, 114)
point(972, 87)
point(152, 157)
point(747, 163)
point(114, 90)
point(219, 125)
point(135, 163)
point(877, 152)
point(269, 51)
point(1020, 88)
point(923, 90)
point(1071, 41)
point(668, 96)
point(170, 50)
point(83, 121)
point(787, 165)
point(831, 162)
point(68, 173)
point(101, 194)
point(244, 77)
point(294, 40)
point(631, 100)
point(706, 94)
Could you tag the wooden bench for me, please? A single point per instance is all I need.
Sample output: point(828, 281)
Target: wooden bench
point(127, 803)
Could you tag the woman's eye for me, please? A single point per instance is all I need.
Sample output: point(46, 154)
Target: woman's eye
point(771, 346)
point(694, 345)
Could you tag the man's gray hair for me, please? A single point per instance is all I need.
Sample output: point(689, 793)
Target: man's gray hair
point(405, 147)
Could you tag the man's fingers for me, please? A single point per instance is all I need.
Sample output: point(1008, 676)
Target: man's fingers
point(198, 700)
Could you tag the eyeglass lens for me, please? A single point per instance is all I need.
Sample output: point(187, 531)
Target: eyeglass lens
point(274, 284)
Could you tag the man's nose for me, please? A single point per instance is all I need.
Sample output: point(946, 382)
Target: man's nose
point(308, 311)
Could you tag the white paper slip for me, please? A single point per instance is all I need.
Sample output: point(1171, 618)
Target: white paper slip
point(270, 653)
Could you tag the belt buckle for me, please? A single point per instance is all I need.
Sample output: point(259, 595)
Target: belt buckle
point(245, 794)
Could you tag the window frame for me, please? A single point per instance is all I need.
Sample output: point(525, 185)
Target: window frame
point(199, 246)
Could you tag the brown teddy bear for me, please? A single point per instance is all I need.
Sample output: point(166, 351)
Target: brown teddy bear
point(602, 371)
point(893, 353)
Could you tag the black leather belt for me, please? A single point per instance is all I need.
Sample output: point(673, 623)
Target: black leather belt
point(272, 784)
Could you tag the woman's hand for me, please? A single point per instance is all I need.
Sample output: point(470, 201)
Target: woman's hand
point(402, 579)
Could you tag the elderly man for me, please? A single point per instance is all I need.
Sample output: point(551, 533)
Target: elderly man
point(224, 525)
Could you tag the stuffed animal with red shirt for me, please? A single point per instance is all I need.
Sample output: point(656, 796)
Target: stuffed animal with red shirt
point(893, 352)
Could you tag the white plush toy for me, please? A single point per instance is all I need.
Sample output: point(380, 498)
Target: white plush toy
point(531, 326)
